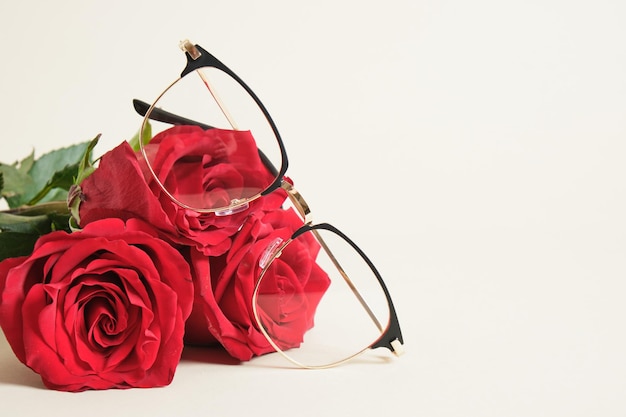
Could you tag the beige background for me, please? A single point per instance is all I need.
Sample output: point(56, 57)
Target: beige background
point(475, 150)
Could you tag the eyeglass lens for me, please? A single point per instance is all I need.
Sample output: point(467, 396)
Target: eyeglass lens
point(320, 321)
point(224, 160)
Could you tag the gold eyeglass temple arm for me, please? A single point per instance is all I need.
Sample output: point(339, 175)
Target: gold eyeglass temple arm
point(190, 48)
point(305, 212)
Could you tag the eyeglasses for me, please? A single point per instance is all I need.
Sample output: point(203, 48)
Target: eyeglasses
point(317, 314)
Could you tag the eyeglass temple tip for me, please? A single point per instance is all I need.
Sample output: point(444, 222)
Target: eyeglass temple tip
point(397, 347)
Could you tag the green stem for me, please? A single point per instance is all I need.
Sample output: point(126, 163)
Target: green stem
point(58, 207)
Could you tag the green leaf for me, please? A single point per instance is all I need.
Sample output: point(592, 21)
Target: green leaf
point(62, 179)
point(20, 228)
point(27, 163)
point(44, 168)
point(54, 170)
point(85, 166)
point(146, 137)
point(55, 194)
point(15, 184)
point(36, 191)
point(24, 224)
point(13, 244)
point(18, 234)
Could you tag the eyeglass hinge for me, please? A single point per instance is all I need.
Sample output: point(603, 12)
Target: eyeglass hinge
point(299, 202)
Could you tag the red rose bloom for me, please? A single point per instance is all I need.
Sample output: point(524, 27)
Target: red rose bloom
point(122, 187)
point(101, 308)
point(223, 298)
point(193, 163)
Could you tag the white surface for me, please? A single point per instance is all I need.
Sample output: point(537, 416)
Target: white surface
point(475, 150)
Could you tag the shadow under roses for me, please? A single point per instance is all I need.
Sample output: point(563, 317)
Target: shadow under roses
point(216, 355)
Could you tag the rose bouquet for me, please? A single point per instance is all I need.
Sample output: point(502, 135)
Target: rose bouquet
point(103, 278)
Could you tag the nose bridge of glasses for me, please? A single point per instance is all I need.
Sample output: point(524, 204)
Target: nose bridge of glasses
point(298, 201)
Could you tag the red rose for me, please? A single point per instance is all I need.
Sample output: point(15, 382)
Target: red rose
point(123, 187)
point(191, 161)
point(101, 308)
point(223, 298)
